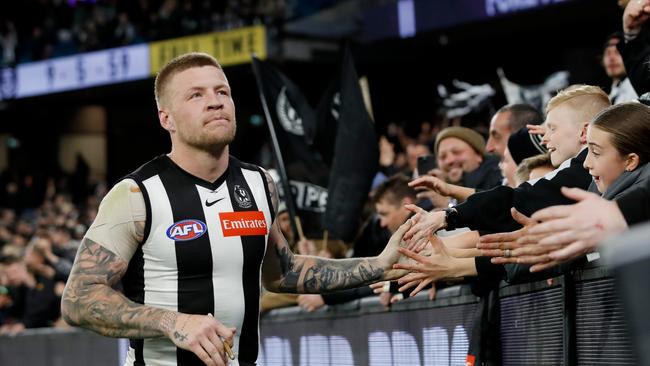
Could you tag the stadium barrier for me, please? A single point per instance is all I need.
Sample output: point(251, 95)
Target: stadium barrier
point(59, 347)
point(575, 320)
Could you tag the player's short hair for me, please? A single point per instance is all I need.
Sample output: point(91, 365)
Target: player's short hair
point(180, 64)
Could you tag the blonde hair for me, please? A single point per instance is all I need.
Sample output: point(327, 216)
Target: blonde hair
point(180, 64)
point(527, 165)
point(586, 100)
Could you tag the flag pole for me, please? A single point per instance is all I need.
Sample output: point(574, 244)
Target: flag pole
point(276, 150)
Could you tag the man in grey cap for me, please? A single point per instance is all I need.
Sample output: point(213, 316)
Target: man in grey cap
point(461, 156)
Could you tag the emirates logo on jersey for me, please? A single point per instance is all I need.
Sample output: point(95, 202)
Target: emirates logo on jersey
point(186, 230)
point(244, 223)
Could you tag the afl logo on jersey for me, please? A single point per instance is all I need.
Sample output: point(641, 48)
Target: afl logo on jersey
point(186, 230)
point(242, 197)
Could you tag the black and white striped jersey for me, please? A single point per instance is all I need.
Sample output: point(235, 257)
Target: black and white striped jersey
point(202, 253)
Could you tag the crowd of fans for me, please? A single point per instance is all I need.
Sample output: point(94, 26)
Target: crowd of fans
point(40, 230)
point(37, 30)
point(505, 208)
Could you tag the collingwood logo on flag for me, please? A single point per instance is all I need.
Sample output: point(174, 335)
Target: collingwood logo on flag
point(535, 95)
point(287, 114)
point(330, 150)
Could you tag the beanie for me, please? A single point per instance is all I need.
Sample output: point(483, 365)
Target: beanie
point(473, 138)
point(522, 145)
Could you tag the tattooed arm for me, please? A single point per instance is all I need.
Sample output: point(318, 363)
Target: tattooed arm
point(89, 300)
point(284, 271)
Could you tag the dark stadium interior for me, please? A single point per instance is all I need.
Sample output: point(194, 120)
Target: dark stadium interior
point(402, 74)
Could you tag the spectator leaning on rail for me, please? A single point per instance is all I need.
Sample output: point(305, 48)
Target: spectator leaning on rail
point(568, 115)
point(618, 161)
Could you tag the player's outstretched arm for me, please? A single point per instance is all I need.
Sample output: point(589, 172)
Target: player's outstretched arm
point(284, 271)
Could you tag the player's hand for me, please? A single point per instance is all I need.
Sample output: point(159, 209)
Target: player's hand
point(202, 335)
point(426, 269)
point(390, 254)
point(423, 223)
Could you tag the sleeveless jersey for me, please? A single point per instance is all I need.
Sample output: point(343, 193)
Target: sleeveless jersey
point(202, 251)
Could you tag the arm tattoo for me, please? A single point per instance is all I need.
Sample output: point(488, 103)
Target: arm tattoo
point(273, 191)
point(89, 301)
point(307, 274)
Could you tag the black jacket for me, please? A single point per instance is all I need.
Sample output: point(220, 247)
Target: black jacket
point(489, 211)
point(486, 176)
point(518, 273)
point(635, 204)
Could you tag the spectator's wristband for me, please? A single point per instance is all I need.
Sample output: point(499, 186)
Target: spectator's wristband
point(394, 287)
point(451, 218)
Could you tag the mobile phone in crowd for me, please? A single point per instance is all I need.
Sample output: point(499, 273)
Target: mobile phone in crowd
point(426, 163)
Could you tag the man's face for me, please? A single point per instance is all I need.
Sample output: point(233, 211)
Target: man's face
point(499, 134)
point(613, 62)
point(454, 153)
point(199, 110)
point(392, 215)
point(564, 134)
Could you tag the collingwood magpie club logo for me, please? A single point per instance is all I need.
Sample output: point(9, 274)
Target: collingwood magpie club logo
point(242, 197)
point(287, 114)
